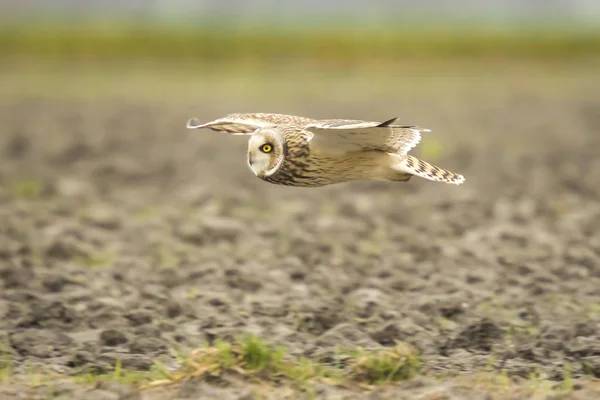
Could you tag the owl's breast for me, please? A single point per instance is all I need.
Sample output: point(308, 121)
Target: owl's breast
point(297, 166)
point(294, 170)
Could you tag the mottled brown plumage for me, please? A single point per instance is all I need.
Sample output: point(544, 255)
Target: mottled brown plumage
point(298, 151)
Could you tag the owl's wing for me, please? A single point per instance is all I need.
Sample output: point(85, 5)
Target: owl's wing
point(228, 125)
point(340, 136)
point(246, 124)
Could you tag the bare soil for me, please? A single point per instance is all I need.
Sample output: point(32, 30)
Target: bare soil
point(124, 236)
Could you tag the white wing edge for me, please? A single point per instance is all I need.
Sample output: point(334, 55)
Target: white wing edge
point(250, 125)
point(338, 124)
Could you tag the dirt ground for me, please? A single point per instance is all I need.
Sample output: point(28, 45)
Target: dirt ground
point(124, 236)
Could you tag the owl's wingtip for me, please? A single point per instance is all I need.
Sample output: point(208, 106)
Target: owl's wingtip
point(459, 180)
point(388, 122)
point(193, 123)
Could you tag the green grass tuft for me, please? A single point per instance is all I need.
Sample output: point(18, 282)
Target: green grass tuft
point(124, 376)
point(251, 356)
point(431, 149)
point(97, 259)
point(29, 189)
point(384, 366)
point(258, 356)
point(6, 368)
point(567, 385)
point(167, 259)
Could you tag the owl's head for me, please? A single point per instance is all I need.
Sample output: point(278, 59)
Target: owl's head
point(265, 151)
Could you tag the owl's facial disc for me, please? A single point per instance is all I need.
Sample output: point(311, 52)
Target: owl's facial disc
point(264, 153)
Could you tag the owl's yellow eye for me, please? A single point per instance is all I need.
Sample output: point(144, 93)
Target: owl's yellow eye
point(266, 148)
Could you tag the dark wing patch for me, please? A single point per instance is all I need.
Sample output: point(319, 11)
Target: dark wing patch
point(388, 122)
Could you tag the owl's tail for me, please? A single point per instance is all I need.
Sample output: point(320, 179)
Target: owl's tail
point(413, 166)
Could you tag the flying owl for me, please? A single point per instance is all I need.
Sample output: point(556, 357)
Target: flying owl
point(297, 151)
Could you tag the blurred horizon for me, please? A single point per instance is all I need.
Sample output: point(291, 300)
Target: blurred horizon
point(177, 46)
point(521, 14)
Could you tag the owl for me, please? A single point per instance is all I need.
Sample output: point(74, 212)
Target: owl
point(298, 151)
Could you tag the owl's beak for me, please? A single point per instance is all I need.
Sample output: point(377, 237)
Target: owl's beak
point(250, 158)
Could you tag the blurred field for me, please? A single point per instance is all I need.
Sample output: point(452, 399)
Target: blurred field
point(333, 45)
point(108, 55)
point(123, 60)
point(129, 243)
